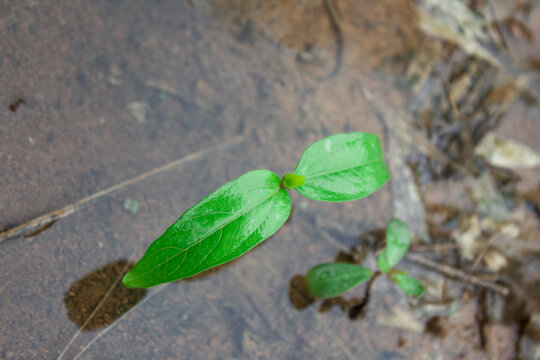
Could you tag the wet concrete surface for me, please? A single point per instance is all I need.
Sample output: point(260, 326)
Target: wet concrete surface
point(94, 94)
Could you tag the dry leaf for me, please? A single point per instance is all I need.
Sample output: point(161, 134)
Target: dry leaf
point(452, 20)
point(400, 318)
point(495, 260)
point(467, 237)
point(507, 153)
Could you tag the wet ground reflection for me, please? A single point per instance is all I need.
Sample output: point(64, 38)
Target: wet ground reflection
point(103, 291)
point(99, 93)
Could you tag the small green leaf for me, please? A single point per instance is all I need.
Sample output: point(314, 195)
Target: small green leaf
point(222, 226)
point(342, 167)
point(408, 284)
point(290, 181)
point(398, 239)
point(382, 262)
point(333, 279)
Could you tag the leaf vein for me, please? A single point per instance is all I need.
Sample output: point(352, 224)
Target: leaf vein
point(197, 242)
point(346, 169)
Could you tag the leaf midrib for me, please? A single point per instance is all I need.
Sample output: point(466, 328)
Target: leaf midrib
point(341, 170)
point(210, 234)
point(265, 220)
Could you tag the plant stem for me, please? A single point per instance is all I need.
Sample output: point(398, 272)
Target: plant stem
point(357, 311)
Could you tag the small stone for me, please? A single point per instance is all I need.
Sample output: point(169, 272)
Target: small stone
point(138, 110)
point(114, 78)
point(131, 205)
point(204, 94)
point(495, 260)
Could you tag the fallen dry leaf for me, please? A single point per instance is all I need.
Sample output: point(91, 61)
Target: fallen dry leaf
point(400, 318)
point(508, 153)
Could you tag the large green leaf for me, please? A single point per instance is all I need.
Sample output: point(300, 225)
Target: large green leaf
point(408, 284)
point(342, 167)
point(333, 279)
point(222, 226)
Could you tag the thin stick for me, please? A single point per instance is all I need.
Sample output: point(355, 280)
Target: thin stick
point(94, 312)
point(37, 223)
point(443, 247)
point(483, 253)
point(108, 191)
point(452, 272)
point(108, 328)
point(329, 334)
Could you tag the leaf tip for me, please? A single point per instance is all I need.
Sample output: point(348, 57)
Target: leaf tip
point(129, 280)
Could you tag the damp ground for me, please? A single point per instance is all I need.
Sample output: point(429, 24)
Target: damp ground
point(97, 94)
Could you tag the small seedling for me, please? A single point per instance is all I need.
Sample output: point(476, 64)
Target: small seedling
point(333, 279)
point(244, 212)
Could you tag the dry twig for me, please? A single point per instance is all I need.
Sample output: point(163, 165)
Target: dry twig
point(458, 274)
point(35, 225)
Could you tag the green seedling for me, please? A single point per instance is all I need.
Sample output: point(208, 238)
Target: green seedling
point(333, 279)
point(244, 212)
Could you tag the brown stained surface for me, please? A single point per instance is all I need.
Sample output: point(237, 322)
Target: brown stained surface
point(93, 94)
point(86, 296)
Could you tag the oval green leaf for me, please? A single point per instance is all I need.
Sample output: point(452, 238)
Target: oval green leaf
point(408, 284)
point(222, 226)
point(333, 279)
point(382, 262)
point(398, 240)
point(342, 167)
